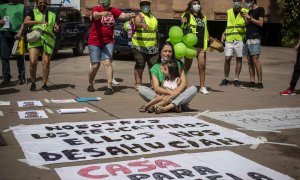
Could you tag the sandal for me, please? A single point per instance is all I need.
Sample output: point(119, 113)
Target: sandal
point(151, 109)
point(157, 110)
point(178, 109)
point(143, 109)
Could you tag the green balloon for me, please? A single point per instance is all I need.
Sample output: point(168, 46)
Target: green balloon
point(126, 26)
point(172, 42)
point(180, 50)
point(175, 34)
point(190, 39)
point(191, 52)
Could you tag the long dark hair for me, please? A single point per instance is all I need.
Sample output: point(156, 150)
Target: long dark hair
point(166, 43)
point(189, 8)
point(173, 70)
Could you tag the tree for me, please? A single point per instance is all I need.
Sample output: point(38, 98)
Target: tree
point(290, 11)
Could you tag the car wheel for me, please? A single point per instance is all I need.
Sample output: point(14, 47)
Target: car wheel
point(78, 50)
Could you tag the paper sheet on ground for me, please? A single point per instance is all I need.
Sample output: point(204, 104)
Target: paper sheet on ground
point(77, 141)
point(4, 103)
point(207, 165)
point(32, 114)
point(261, 119)
point(29, 103)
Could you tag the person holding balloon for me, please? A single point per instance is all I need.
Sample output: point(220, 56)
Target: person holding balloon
point(194, 24)
point(182, 95)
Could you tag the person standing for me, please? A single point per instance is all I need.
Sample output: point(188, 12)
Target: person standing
point(11, 29)
point(101, 41)
point(252, 47)
point(144, 41)
point(233, 37)
point(45, 21)
point(193, 21)
point(296, 73)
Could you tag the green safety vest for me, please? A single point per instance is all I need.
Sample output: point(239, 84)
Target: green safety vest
point(192, 25)
point(236, 26)
point(146, 37)
point(47, 40)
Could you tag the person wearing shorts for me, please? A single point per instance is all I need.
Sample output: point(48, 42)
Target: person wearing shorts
point(233, 36)
point(252, 48)
point(101, 41)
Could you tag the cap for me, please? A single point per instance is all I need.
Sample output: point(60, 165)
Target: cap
point(145, 1)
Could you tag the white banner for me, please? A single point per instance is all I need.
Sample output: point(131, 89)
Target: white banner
point(68, 3)
point(261, 119)
point(32, 114)
point(207, 165)
point(69, 142)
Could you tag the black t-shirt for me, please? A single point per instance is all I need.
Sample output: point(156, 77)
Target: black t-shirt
point(200, 29)
point(254, 31)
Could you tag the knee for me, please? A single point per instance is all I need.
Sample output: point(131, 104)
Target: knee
point(107, 63)
point(33, 63)
point(139, 66)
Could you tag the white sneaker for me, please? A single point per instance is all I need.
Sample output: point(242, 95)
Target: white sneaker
point(114, 82)
point(203, 90)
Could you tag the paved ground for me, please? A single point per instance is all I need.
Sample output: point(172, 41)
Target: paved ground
point(68, 79)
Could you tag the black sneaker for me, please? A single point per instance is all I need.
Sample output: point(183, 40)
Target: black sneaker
point(251, 84)
point(108, 91)
point(5, 82)
point(45, 88)
point(22, 81)
point(90, 88)
point(257, 87)
point(236, 83)
point(33, 87)
point(224, 82)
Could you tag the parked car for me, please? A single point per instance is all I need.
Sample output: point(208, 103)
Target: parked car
point(72, 29)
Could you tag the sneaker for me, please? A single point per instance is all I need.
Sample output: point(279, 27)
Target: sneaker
point(5, 82)
point(288, 92)
point(114, 82)
point(224, 82)
point(108, 91)
point(90, 88)
point(33, 87)
point(236, 83)
point(22, 81)
point(251, 84)
point(258, 87)
point(45, 88)
point(203, 90)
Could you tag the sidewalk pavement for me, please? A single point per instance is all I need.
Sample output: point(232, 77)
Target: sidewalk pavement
point(69, 79)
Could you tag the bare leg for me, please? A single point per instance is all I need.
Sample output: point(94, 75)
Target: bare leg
point(138, 76)
point(258, 67)
point(188, 63)
point(202, 66)
point(251, 68)
point(33, 56)
point(93, 71)
point(46, 67)
point(238, 67)
point(108, 71)
point(227, 66)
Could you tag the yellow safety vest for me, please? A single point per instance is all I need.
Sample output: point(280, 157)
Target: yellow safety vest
point(146, 37)
point(192, 24)
point(47, 40)
point(236, 26)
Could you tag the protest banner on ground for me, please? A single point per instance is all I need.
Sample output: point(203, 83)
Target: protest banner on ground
point(78, 141)
point(29, 103)
point(260, 119)
point(208, 165)
point(33, 114)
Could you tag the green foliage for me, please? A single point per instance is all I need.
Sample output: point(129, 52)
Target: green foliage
point(290, 12)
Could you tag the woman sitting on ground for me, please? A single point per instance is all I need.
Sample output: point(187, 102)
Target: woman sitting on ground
point(180, 96)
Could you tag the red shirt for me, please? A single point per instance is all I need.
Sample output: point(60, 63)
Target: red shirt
point(102, 30)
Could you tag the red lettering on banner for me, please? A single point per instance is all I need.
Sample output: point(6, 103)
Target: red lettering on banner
point(165, 163)
point(149, 167)
point(113, 168)
point(85, 173)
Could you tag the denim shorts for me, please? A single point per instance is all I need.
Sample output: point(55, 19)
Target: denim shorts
point(98, 54)
point(252, 47)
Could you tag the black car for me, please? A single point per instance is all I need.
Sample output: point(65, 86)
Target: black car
point(72, 29)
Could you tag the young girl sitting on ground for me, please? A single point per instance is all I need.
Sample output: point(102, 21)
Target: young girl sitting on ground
point(172, 81)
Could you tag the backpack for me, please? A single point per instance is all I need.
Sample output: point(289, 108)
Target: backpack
point(129, 26)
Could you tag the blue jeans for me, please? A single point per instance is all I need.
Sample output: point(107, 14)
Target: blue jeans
point(6, 44)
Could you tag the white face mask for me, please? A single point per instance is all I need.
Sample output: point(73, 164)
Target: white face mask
point(249, 4)
point(196, 7)
point(237, 5)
